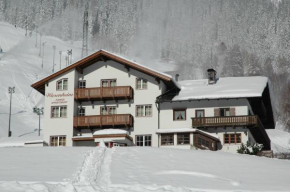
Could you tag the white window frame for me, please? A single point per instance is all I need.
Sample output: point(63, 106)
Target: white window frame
point(142, 83)
point(81, 86)
point(59, 110)
point(108, 108)
point(143, 140)
point(144, 111)
point(79, 111)
point(58, 140)
point(62, 89)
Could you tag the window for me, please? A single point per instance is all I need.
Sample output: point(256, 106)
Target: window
point(232, 138)
point(202, 142)
point(199, 113)
point(141, 83)
point(82, 84)
point(108, 110)
point(183, 138)
point(143, 140)
point(167, 139)
point(61, 85)
point(224, 112)
point(58, 111)
point(109, 83)
point(179, 114)
point(82, 111)
point(144, 111)
point(58, 141)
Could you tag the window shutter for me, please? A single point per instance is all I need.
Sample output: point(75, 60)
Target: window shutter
point(232, 111)
point(216, 112)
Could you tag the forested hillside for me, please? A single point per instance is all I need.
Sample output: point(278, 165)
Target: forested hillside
point(237, 37)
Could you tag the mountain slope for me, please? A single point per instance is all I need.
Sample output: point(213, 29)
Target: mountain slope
point(20, 66)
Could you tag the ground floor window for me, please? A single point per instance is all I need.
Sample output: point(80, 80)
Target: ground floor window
point(167, 139)
point(143, 140)
point(232, 138)
point(58, 141)
point(183, 138)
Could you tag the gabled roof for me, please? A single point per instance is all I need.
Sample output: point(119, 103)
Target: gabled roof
point(103, 55)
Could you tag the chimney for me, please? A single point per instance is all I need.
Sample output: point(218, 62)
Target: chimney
point(176, 77)
point(211, 76)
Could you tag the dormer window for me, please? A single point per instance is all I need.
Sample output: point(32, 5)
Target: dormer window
point(211, 76)
point(61, 85)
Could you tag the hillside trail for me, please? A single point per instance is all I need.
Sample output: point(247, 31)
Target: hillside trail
point(94, 170)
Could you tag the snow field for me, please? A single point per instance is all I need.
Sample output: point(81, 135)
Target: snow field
point(138, 169)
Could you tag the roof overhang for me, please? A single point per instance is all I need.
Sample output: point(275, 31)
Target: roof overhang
point(104, 56)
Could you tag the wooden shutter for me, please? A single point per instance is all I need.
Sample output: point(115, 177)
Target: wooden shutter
point(232, 111)
point(216, 112)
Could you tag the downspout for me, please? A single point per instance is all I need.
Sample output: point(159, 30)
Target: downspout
point(157, 102)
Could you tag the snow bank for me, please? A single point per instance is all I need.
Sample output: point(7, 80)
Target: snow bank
point(226, 87)
point(280, 140)
point(19, 141)
point(110, 132)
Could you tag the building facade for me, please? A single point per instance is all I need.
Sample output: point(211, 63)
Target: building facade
point(107, 97)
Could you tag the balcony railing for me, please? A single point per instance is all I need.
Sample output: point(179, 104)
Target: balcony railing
point(104, 93)
point(225, 121)
point(119, 120)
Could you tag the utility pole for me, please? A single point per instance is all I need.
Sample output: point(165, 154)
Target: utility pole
point(66, 60)
point(36, 36)
point(54, 47)
point(40, 45)
point(85, 31)
point(69, 54)
point(38, 111)
point(11, 90)
point(60, 60)
point(42, 53)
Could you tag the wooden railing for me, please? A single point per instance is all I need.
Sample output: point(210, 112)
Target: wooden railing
point(120, 120)
point(224, 121)
point(99, 93)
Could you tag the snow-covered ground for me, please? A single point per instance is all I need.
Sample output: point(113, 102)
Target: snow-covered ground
point(280, 140)
point(137, 169)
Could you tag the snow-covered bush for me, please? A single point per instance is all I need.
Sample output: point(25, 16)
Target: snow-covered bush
point(250, 149)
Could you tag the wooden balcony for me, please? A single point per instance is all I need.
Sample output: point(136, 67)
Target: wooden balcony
point(225, 121)
point(104, 93)
point(103, 121)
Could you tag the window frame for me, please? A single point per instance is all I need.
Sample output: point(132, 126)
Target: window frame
point(109, 82)
point(182, 109)
point(144, 110)
point(235, 138)
point(141, 84)
point(143, 142)
point(169, 134)
point(79, 114)
point(199, 110)
point(224, 111)
point(82, 81)
point(62, 84)
point(108, 107)
point(59, 106)
point(183, 138)
point(58, 140)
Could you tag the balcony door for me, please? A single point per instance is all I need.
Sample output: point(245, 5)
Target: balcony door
point(109, 82)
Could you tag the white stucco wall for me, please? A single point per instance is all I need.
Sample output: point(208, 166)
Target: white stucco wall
point(59, 126)
point(112, 70)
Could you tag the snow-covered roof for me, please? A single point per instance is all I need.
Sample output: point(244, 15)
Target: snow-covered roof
point(20, 141)
point(111, 132)
point(225, 87)
point(185, 130)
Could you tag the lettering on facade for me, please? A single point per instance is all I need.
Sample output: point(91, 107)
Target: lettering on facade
point(59, 95)
point(59, 101)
